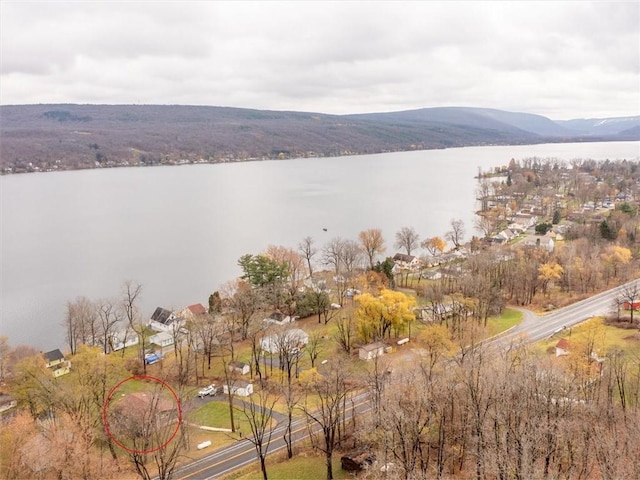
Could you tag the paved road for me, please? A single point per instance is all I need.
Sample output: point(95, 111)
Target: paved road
point(243, 452)
point(534, 328)
point(531, 329)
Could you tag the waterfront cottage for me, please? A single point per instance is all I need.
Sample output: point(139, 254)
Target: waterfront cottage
point(57, 364)
point(164, 320)
point(162, 340)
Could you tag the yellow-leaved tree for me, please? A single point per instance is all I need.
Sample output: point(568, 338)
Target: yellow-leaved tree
point(548, 273)
point(379, 315)
point(615, 257)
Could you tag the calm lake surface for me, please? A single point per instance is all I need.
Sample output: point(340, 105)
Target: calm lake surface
point(179, 231)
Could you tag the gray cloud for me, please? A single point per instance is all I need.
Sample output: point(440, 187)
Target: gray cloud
point(561, 59)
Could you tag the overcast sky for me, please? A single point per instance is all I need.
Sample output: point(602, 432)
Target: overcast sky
point(563, 60)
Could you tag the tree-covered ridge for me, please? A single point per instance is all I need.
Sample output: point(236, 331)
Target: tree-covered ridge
point(63, 137)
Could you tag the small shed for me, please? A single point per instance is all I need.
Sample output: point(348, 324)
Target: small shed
point(371, 350)
point(562, 347)
point(239, 367)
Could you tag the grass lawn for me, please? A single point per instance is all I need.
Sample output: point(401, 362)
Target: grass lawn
point(216, 414)
point(300, 467)
point(607, 338)
point(509, 318)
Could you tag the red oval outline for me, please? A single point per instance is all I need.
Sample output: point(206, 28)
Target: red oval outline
point(106, 404)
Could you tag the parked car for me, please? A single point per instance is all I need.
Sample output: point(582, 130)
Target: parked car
point(151, 358)
point(211, 390)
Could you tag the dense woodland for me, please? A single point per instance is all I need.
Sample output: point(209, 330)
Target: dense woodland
point(457, 410)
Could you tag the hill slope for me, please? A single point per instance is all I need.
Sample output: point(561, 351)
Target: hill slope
point(54, 137)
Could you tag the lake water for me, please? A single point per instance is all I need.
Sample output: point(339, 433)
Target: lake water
point(179, 231)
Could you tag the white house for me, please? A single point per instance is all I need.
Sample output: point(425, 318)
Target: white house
point(162, 339)
point(239, 387)
point(371, 350)
point(538, 241)
point(562, 347)
point(406, 262)
point(289, 339)
point(164, 320)
point(127, 337)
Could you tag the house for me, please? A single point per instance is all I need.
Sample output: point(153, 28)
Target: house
point(293, 338)
point(537, 241)
point(164, 320)
point(562, 347)
point(162, 340)
point(195, 310)
point(136, 409)
point(239, 387)
point(371, 350)
point(406, 262)
point(239, 367)
point(127, 337)
point(525, 219)
point(277, 318)
point(56, 362)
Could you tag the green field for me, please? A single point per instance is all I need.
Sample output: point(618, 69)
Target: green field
point(509, 318)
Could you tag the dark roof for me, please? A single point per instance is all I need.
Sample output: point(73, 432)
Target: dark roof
point(54, 355)
point(401, 257)
point(161, 315)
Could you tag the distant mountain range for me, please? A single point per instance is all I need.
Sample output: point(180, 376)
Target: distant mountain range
point(65, 136)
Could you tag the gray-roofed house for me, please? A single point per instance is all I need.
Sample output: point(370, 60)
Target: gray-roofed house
point(57, 363)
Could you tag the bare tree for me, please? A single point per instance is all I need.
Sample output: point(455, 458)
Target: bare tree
point(146, 426)
point(408, 239)
point(333, 254)
point(456, 234)
point(308, 250)
point(131, 293)
point(81, 323)
point(259, 414)
point(629, 296)
point(331, 391)
point(372, 244)
point(109, 316)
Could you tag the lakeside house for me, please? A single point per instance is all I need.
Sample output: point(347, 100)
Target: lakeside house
point(163, 340)
point(164, 320)
point(56, 362)
point(195, 310)
point(126, 337)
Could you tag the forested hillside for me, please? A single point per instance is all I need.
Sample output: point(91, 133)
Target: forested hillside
point(64, 137)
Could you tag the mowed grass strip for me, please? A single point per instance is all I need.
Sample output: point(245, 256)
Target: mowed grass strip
point(498, 324)
point(300, 467)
